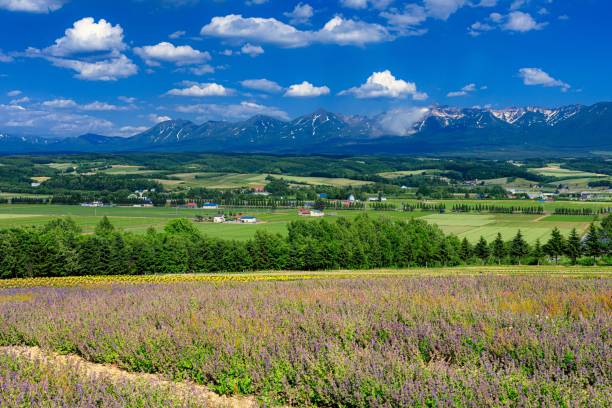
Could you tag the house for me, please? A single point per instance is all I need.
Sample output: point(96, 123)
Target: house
point(304, 212)
point(323, 195)
point(219, 219)
point(317, 213)
point(93, 204)
point(192, 205)
point(258, 188)
point(35, 184)
point(351, 198)
point(248, 219)
point(210, 206)
point(377, 198)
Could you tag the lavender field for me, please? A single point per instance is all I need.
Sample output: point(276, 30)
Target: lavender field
point(351, 342)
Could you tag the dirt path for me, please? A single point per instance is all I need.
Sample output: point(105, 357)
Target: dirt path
point(201, 393)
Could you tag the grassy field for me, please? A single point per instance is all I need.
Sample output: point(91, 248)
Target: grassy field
point(494, 336)
point(120, 170)
point(559, 172)
point(233, 180)
point(549, 206)
point(471, 226)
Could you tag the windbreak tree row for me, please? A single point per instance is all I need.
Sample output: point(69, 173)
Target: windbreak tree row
point(60, 249)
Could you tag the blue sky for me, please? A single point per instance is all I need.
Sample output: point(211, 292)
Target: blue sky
point(116, 67)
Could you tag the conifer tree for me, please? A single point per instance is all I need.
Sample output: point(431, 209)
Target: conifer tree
point(573, 248)
point(519, 247)
point(592, 243)
point(499, 248)
point(481, 250)
point(555, 247)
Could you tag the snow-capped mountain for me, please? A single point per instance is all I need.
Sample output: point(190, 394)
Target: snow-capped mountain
point(437, 129)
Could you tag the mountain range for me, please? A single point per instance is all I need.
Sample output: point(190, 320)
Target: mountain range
point(434, 130)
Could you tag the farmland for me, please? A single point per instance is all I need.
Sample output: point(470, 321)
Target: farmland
point(139, 220)
point(519, 336)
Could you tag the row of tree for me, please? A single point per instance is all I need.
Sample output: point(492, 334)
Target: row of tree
point(60, 249)
point(582, 211)
point(500, 209)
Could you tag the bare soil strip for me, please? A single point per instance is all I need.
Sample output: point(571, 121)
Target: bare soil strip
point(180, 389)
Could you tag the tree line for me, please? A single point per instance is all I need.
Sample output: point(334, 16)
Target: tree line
point(60, 249)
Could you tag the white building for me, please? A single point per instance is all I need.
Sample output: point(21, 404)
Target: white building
point(219, 219)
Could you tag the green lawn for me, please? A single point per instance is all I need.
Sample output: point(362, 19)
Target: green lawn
point(138, 220)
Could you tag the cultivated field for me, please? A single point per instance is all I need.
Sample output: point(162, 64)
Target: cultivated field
point(139, 220)
point(444, 337)
point(553, 170)
point(235, 180)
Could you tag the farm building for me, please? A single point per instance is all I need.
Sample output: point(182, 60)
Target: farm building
point(219, 219)
point(304, 213)
point(192, 205)
point(248, 219)
point(317, 213)
point(210, 206)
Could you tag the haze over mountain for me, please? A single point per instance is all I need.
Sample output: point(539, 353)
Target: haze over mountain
point(435, 130)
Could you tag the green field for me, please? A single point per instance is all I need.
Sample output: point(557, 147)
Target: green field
point(236, 180)
point(553, 170)
point(138, 220)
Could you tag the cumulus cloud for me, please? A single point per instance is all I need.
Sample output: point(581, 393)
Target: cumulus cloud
point(306, 90)
point(202, 90)
point(177, 34)
point(385, 85)
point(516, 21)
point(103, 107)
point(538, 77)
point(264, 85)
point(88, 36)
point(202, 70)
point(32, 6)
point(401, 121)
point(301, 14)
point(410, 16)
point(443, 9)
point(269, 30)
point(14, 93)
point(241, 111)
point(153, 55)
point(522, 22)
point(252, 50)
point(106, 70)
point(104, 40)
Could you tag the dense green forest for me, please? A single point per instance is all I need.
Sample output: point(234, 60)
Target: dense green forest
point(59, 248)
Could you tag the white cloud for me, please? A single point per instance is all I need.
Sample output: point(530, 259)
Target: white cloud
point(242, 111)
point(95, 106)
point(252, 50)
point(306, 90)
point(412, 15)
point(443, 9)
point(363, 4)
point(127, 99)
point(202, 90)
point(105, 70)
point(202, 70)
point(14, 93)
point(168, 52)
point(41, 120)
point(131, 130)
point(385, 85)
point(463, 91)
point(32, 6)
point(177, 34)
point(60, 103)
point(537, 77)
point(264, 85)
point(517, 21)
point(88, 36)
point(20, 101)
point(159, 118)
point(5, 58)
point(401, 121)
point(522, 22)
point(269, 30)
point(301, 14)
point(103, 107)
